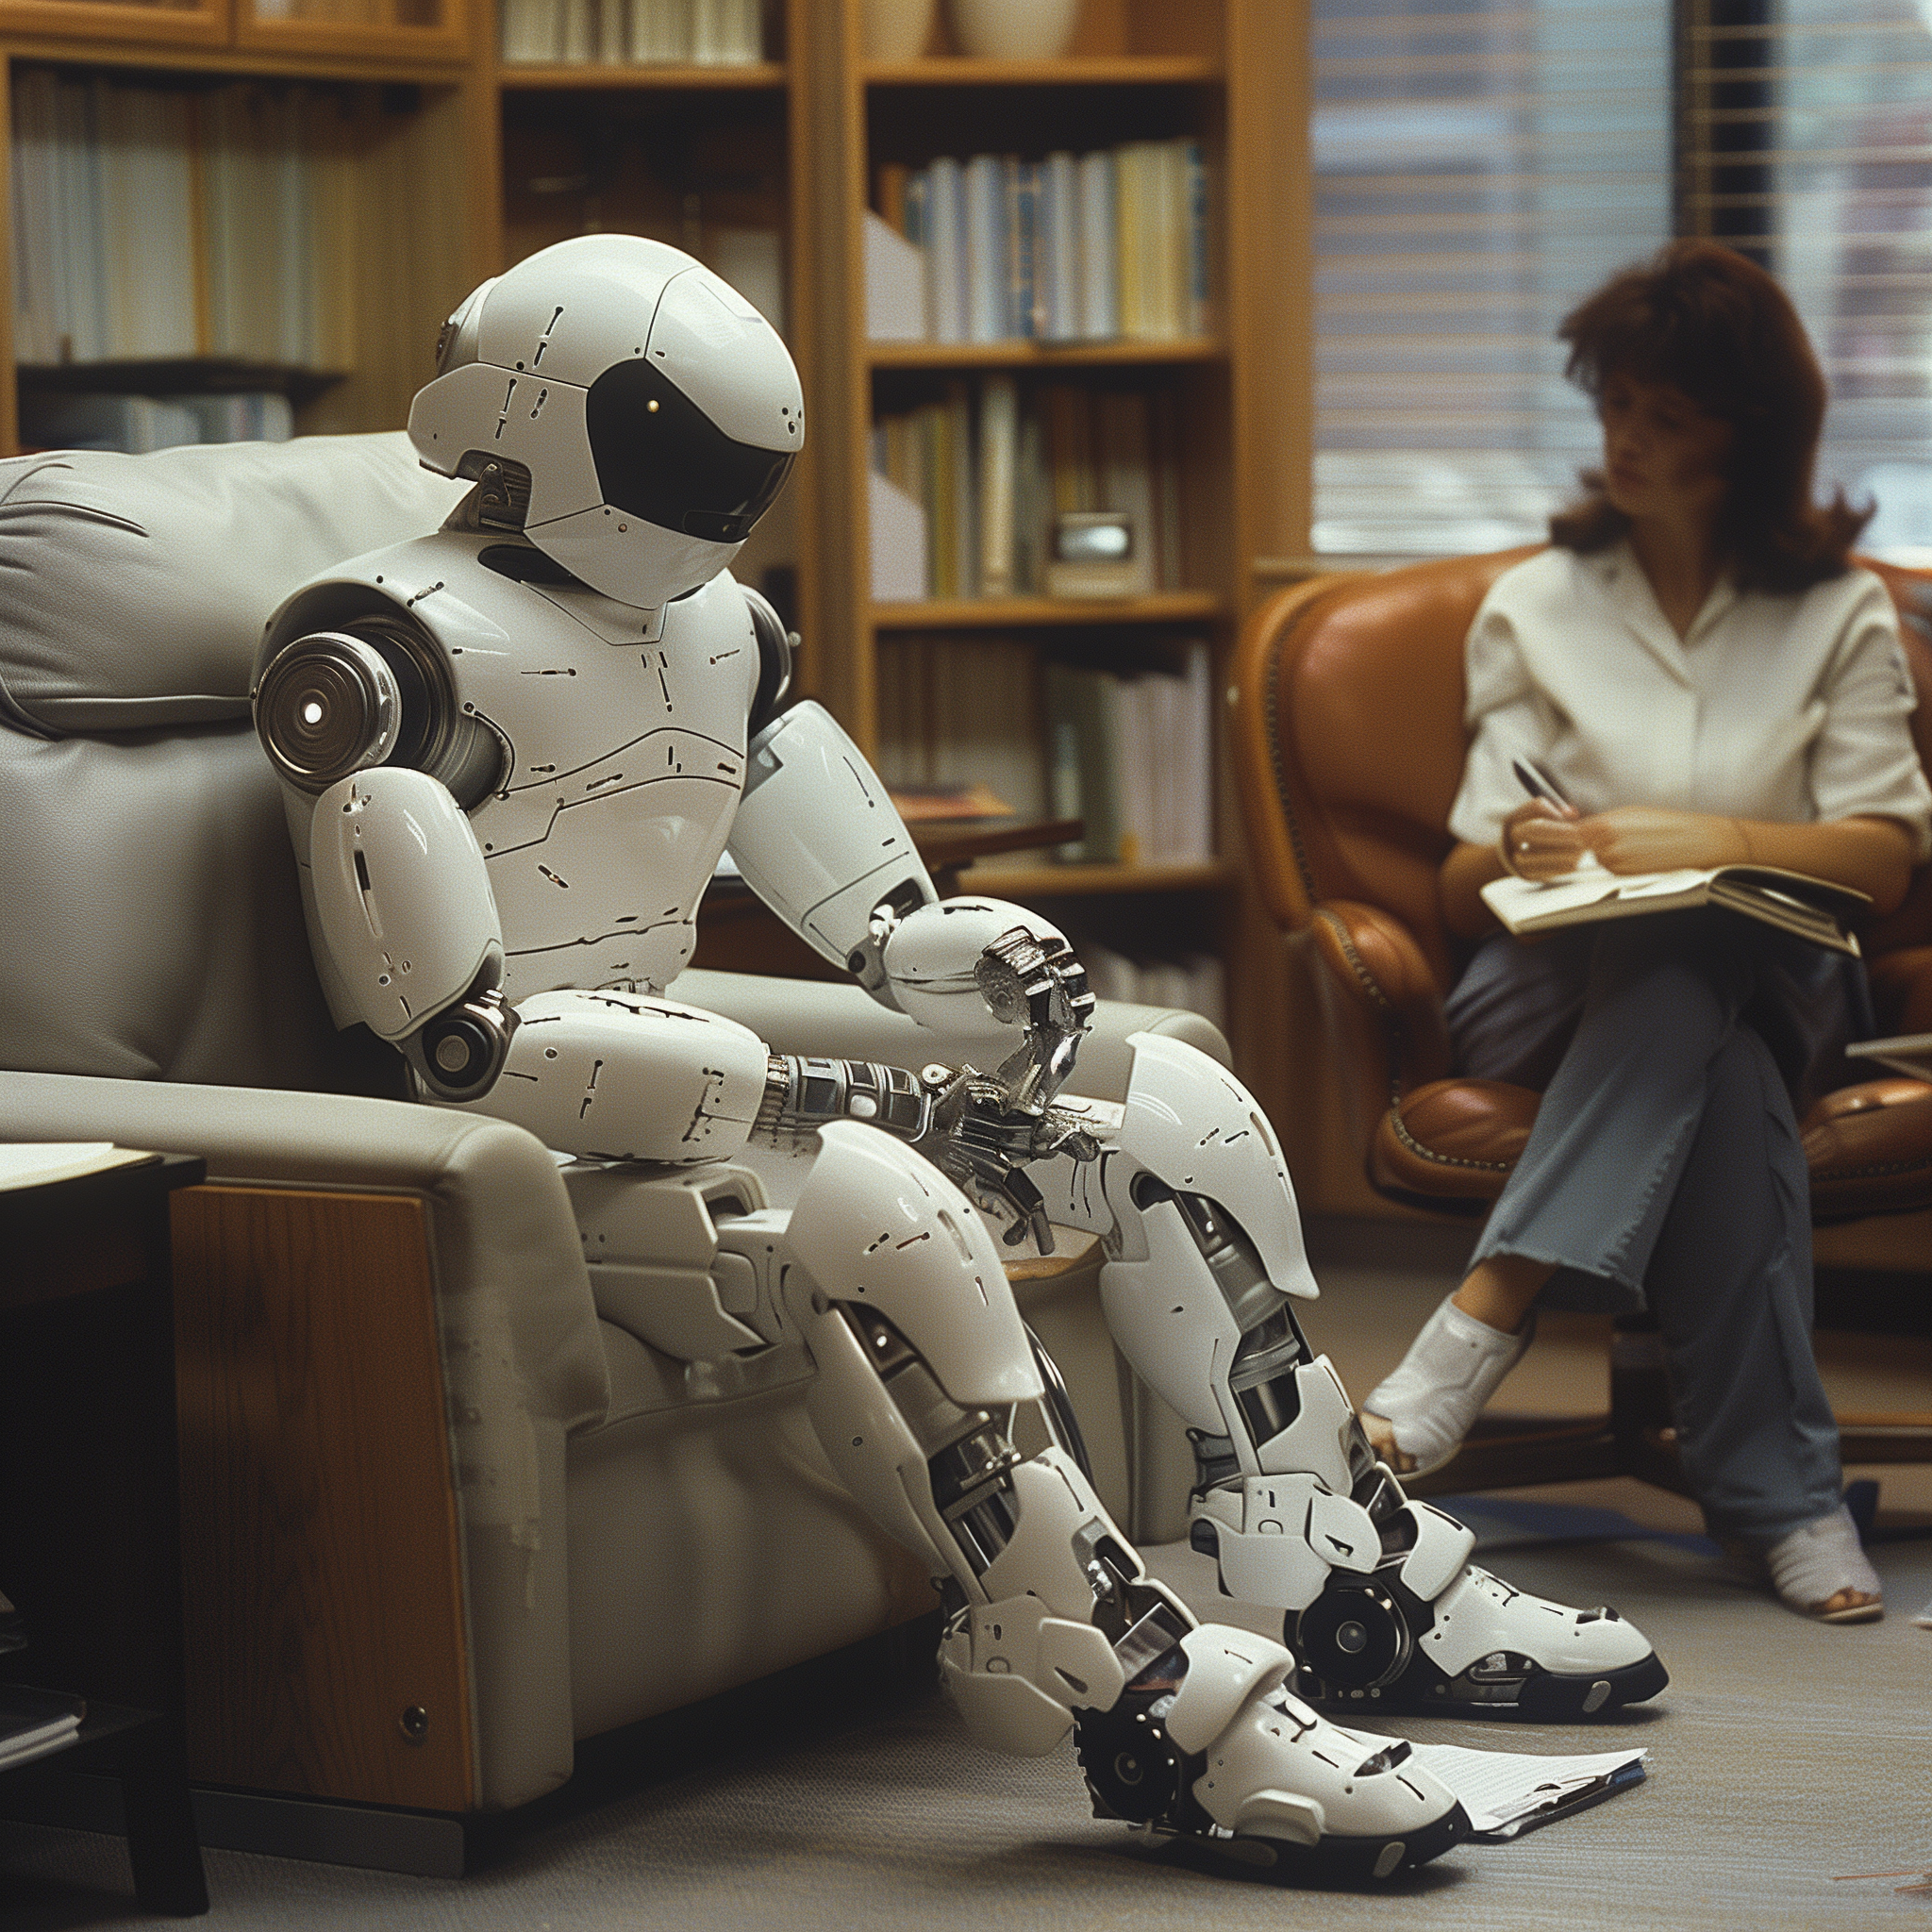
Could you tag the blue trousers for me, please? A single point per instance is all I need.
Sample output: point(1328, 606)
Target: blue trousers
point(1665, 1170)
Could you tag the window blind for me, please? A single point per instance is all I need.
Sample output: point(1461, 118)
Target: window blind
point(1479, 166)
point(1809, 143)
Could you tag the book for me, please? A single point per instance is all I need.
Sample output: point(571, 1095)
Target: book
point(1097, 278)
point(999, 455)
point(944, 241)
point(987, 279)
point(899, 567)
point(1903, 1052)
point(896, 284)
point(1023, 313)
point(1815, 909)
point(33, 1723)
point(1058, 225)
point(34, 1163)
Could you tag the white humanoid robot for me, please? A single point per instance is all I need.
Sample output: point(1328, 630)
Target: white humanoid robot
point(513, 752)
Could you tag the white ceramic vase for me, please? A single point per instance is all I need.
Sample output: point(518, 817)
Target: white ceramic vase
point(897, 29)
point(1015, 30)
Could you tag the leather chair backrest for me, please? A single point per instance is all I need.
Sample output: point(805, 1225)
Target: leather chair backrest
point(1350, 740)
point(153, 928)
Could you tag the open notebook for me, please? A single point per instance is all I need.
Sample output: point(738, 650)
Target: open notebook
point(1815, 909)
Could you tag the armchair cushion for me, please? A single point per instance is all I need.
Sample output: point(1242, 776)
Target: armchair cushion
point(154, 929)
point(137, 586)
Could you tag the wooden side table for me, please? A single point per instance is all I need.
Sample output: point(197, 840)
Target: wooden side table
point(89, 1511)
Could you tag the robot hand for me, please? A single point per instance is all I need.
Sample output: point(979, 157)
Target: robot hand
point(987, 1127)
point(975, 969)
point(983, 1139)
point(1031, 980)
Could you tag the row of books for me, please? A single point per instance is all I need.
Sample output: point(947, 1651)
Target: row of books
point(1197, 981)
point(139, 424)
point(613, 33)
point(1126, 745)
point(1072, 248)
point(966, 488)
point(1130, 754)
point(157, 223)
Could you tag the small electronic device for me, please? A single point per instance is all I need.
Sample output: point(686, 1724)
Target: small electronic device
point(1096, 552)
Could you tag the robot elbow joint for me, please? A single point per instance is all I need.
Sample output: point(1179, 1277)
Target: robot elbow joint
point(459, 1054)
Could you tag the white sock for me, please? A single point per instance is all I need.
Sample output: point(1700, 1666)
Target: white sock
point(1813, 1563)
point(1449, 1374)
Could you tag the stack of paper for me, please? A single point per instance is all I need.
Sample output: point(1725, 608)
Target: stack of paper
point(33, 1723)
point(1509, 1792)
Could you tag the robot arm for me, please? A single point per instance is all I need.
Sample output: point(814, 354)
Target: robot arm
point(404, 911)
point(818, 838)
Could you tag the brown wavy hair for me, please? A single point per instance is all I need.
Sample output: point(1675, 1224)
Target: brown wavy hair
point(1705, 319)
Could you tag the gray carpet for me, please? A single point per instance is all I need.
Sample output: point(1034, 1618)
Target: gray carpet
point(1782, 1756)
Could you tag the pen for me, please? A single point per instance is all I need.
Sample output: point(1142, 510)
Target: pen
point(1538, 783)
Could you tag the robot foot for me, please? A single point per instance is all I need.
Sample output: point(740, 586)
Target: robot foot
point(1481, 1648)
point(1387, 1613)
point(1211, 1750)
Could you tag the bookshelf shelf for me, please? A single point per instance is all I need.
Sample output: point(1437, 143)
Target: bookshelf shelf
point(1125, 352)
point(1014, 613)
point(531, 78)
point(951, 71)
point(197, 374)
point(1092, 881)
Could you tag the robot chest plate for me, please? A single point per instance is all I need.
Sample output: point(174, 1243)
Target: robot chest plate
point(627, 763)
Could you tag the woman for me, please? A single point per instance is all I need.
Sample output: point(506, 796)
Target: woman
point(1706, 681)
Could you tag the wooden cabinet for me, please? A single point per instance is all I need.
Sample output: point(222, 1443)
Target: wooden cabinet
point(142, 23)
point(387, 29)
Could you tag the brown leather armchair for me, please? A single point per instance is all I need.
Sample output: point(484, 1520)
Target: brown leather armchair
point(1349, 745)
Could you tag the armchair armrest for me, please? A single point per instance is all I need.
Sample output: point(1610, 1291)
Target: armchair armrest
point(1385, 1004)
point(1901, 989)
point(374, 1296)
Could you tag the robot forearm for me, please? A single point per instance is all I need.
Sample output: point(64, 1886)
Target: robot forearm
point(961, 1120)
point(818, 838)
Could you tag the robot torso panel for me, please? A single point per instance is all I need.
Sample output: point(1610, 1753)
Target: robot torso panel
point(598, 749)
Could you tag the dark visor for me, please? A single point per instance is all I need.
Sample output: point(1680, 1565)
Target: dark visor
point(661, 458)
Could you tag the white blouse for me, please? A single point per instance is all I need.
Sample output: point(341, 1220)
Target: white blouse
point(1791, 708)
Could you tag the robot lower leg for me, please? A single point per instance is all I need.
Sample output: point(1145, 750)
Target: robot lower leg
point(1188, 1731)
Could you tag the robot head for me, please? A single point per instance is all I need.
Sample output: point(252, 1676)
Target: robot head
point(653, 411)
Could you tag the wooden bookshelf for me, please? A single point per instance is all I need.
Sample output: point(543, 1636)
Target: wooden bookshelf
point(1034, 354)
point(466, 163)
point(414, 228)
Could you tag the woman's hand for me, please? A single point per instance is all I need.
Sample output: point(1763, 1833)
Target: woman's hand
point(1542, 840)
point(1648, 838)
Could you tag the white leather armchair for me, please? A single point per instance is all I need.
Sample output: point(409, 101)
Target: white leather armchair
point(444, 1515)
